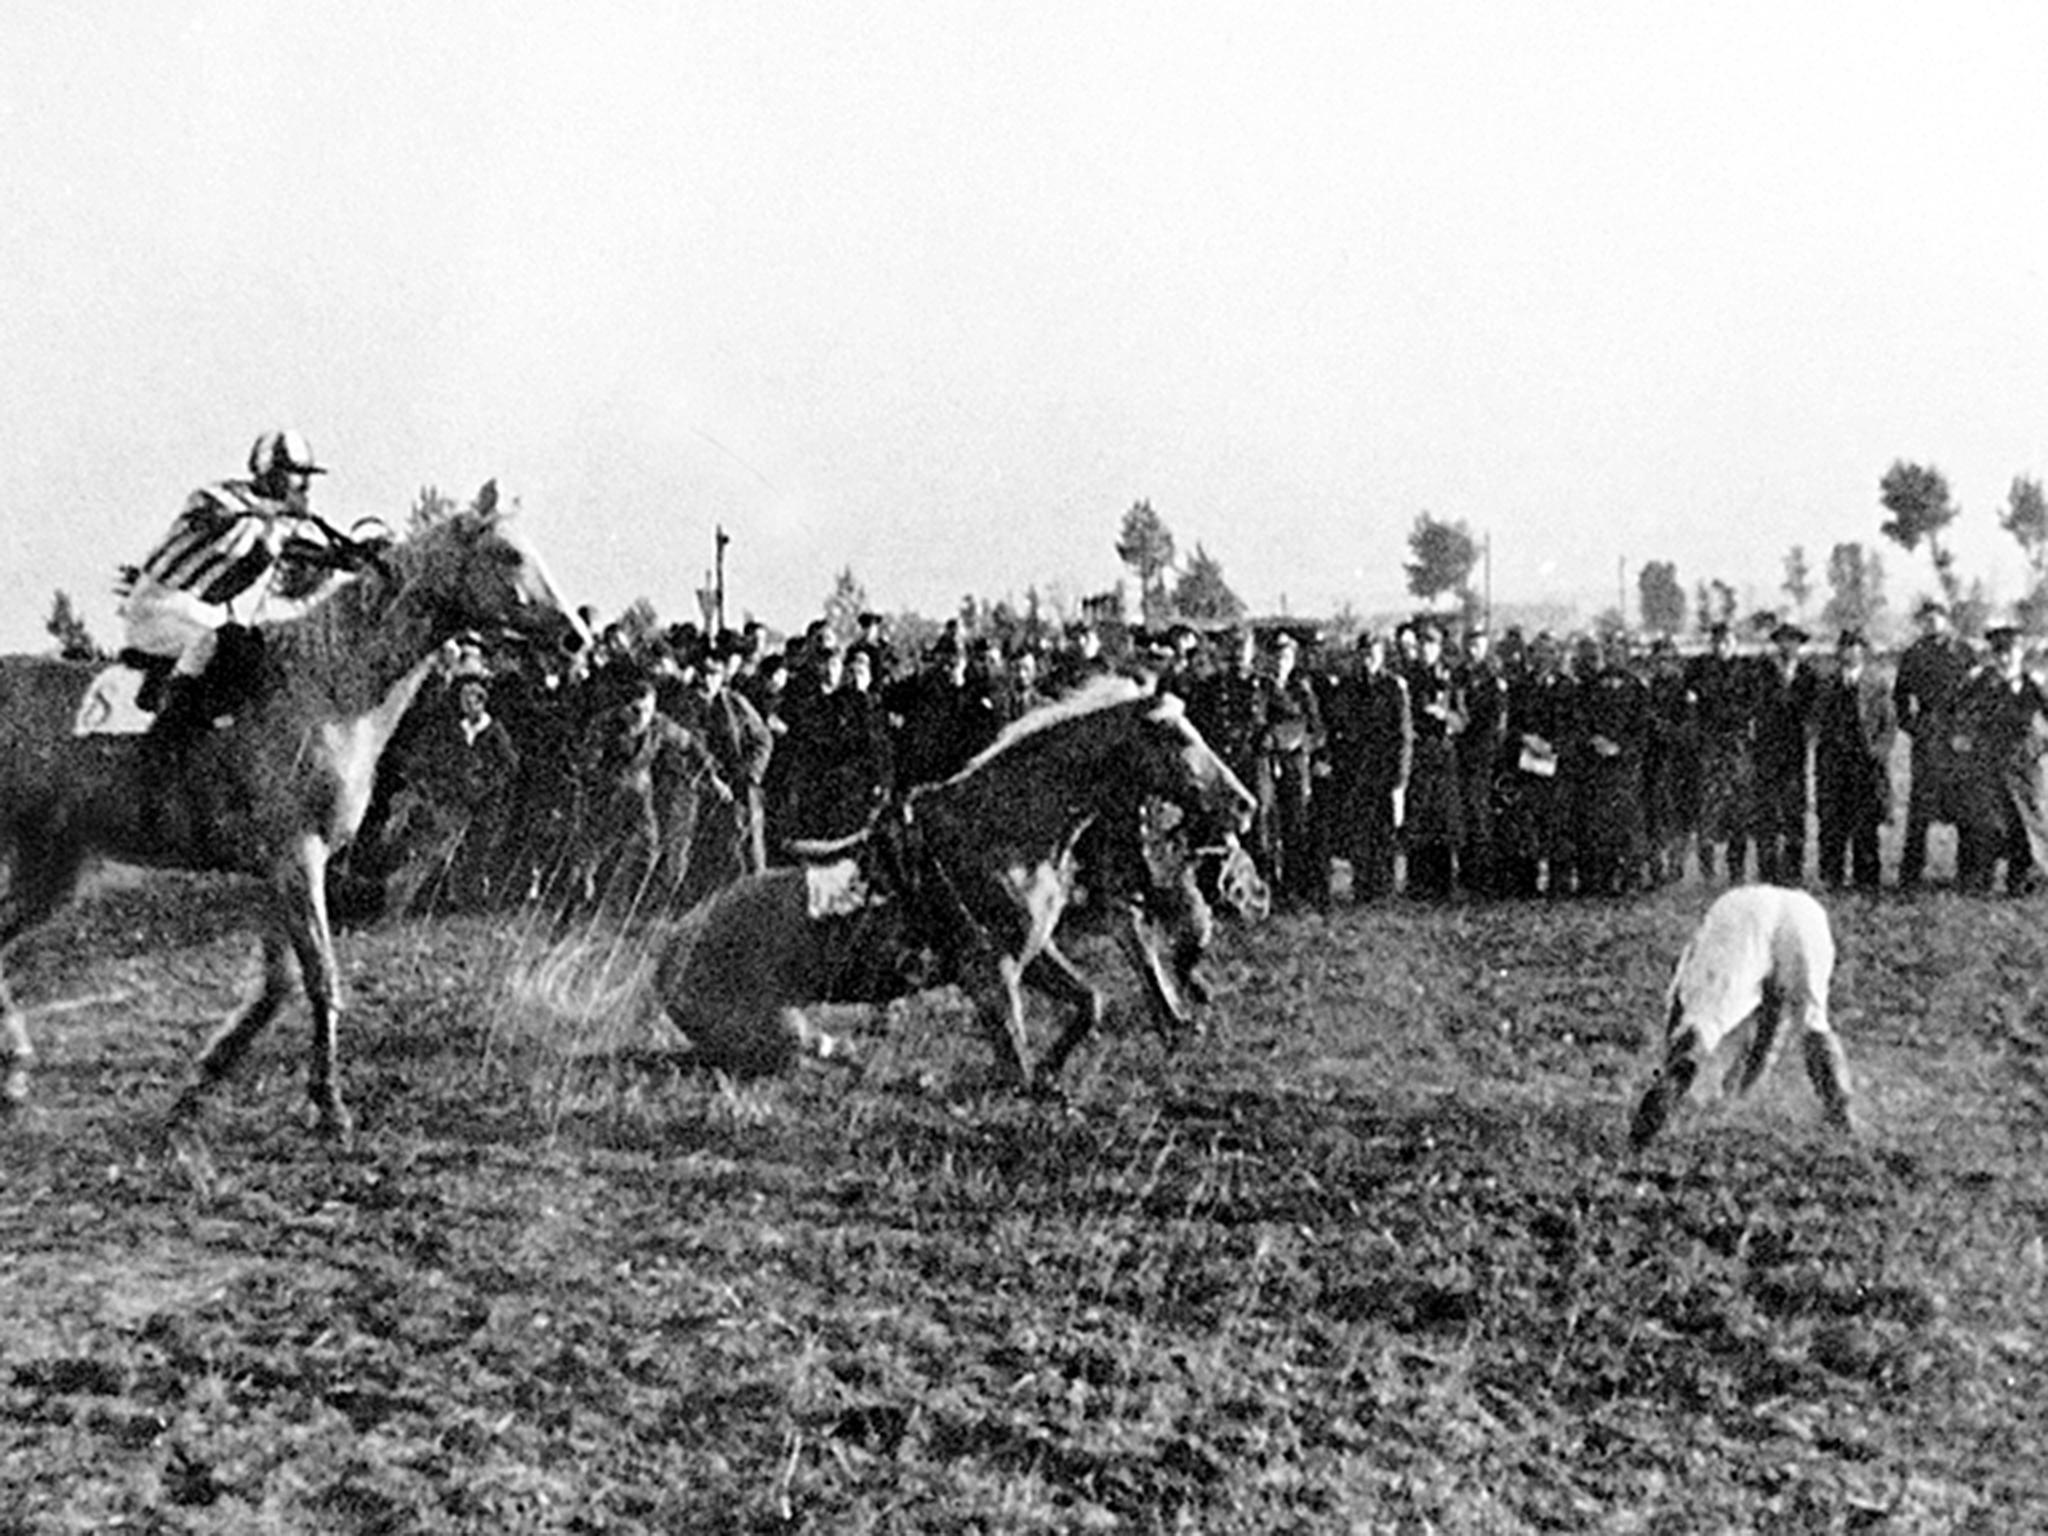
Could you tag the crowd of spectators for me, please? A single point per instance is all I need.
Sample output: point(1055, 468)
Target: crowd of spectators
point(1415, 759)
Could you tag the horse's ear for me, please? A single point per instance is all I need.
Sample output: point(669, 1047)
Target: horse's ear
point(487, 500)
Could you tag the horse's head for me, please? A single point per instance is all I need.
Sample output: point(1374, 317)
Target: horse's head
point(480, 575)
point(1177, 765)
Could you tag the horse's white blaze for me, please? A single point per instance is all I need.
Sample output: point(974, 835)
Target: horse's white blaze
point(535, 586)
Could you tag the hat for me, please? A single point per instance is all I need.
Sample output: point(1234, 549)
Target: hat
point(1789, 632)
point(2002, 637)
point(867, 617)
point(1930, 605)
point(1852, 638)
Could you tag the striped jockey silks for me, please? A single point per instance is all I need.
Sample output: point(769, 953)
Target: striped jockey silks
point(221, 544)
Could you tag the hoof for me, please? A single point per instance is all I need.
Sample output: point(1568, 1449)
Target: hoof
point(333, 1124)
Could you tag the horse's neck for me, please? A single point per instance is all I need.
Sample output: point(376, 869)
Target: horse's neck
point(1045, 797)
point(368, 648)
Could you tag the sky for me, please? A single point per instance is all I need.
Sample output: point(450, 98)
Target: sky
point(933, 292)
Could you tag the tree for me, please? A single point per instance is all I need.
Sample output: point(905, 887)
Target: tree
point(1798, 582)
point(1444, 557)
point(1716, 603)
point(845, 603)
point(1918, 499)
point(1146, 546)
point(1855, 588)
point(74, 642)
point(1202, 595)
point(1661, 597)
point(2026, 518)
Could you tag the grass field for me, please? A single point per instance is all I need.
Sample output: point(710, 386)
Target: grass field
point(1373, 1255)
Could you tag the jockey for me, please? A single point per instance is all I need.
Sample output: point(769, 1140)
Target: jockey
point(222, 546)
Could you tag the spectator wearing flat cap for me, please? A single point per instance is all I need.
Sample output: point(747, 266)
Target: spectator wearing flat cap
point(1855, 724)
point(1930, 678)
point(1786, 690)
point(1999, 725)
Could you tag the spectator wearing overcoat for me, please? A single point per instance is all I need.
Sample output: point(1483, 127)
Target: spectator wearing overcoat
point(940, 714)
point(1785, 692)
point(465, 765)
point(1998, 726)
point(1435, 806)
point(1605, 762)
point(1229, 708)
point(742, 745)
point(1482, 680)
point(1532, 832)
point(1855, 724)
point(1925, 690)
point(1722, 687)
point(1372, 744)
point(1294, 742)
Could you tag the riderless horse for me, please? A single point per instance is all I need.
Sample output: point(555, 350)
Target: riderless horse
point(271, 793)
point(962, 881)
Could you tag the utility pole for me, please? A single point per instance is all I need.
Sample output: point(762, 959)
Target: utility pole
point(1486, 577)
point(720, 540)
point(1621, 588)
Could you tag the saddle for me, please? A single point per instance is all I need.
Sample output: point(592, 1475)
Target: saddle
point(885, 865)
point(123, 699)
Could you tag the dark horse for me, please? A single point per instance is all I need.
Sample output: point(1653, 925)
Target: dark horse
point(962, 882)
point(273, 793)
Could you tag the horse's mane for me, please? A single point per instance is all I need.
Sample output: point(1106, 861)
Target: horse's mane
point(1090, 698)
point(329, 634)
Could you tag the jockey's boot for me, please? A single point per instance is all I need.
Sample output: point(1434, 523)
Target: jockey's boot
point(181, 720)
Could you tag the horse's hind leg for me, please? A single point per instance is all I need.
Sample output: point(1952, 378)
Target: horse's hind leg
point(996, 983)
point(42, 873)
point(1674, 1081)
point(1828, 1067)
point(16, 1054)
point(231, 1041)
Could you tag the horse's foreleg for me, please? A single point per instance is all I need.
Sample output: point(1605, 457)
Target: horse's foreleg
point(1674, 1081)
point(996, 983)
point(231, 1041)
point(312, 940)
point(1054, 974)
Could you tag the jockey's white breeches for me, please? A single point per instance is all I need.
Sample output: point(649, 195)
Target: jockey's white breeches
point(162, 621)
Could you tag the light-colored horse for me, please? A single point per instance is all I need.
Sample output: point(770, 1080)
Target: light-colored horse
point(1763, 953)
point(962, 882)
point(273, 793)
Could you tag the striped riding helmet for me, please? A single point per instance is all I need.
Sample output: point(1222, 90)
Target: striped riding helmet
point(276, 453)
